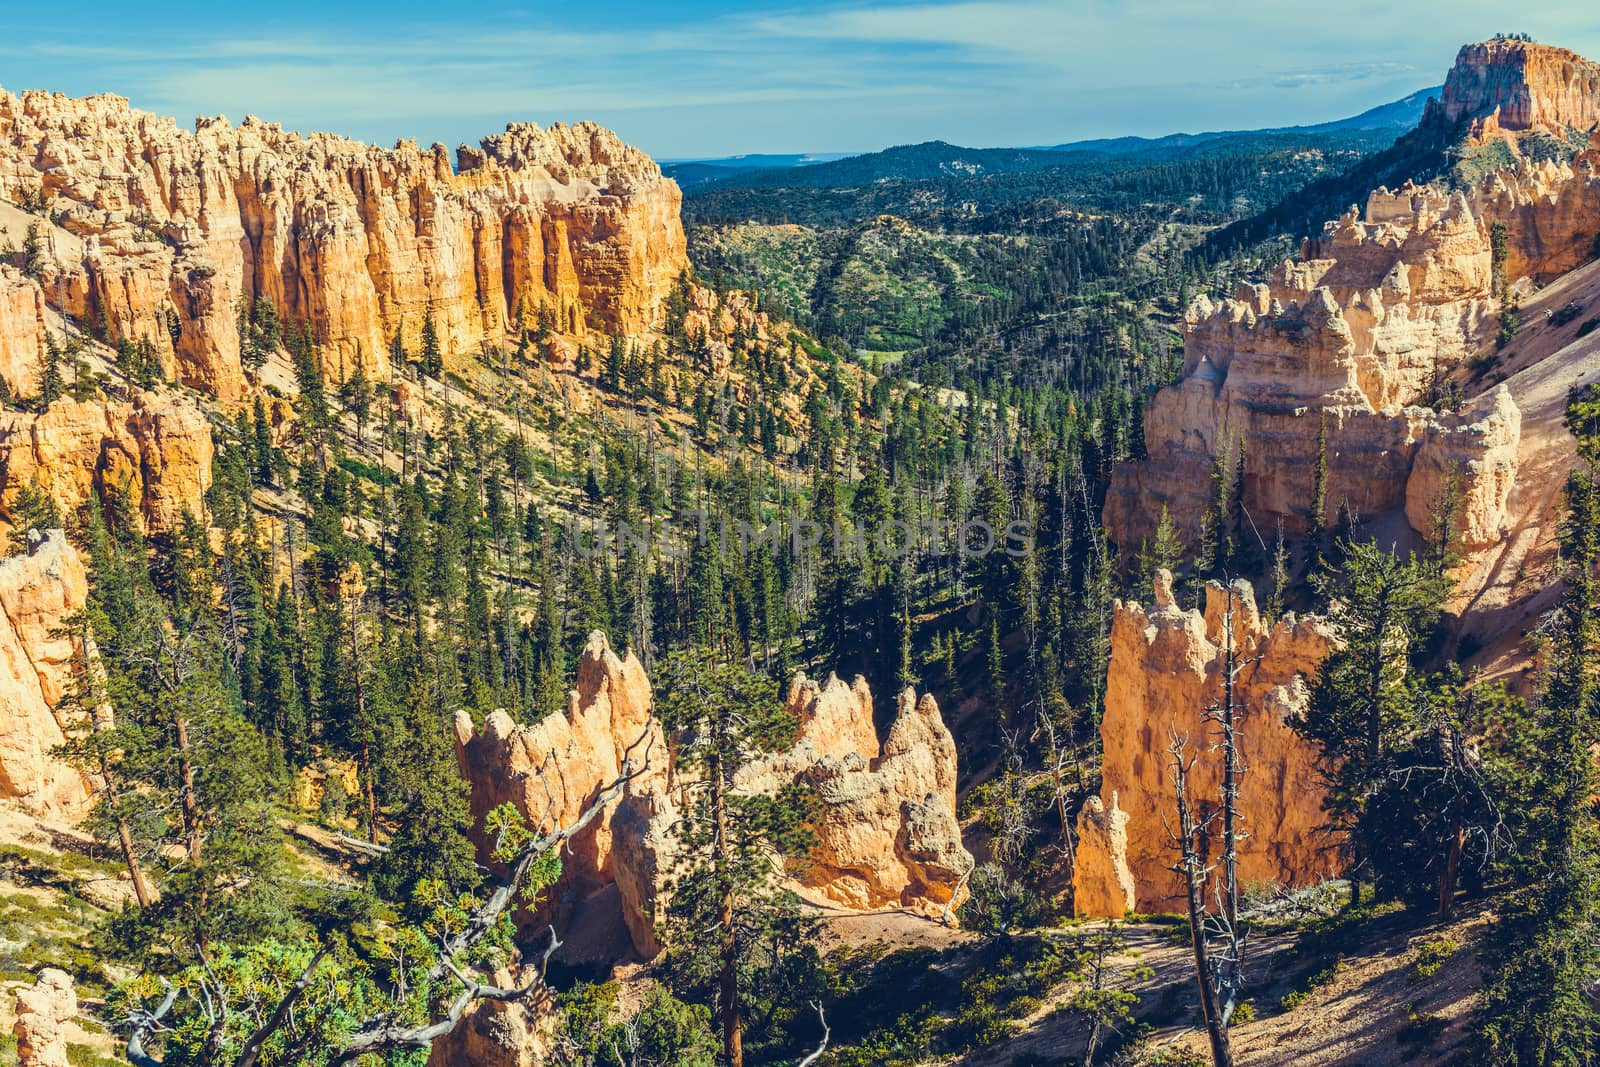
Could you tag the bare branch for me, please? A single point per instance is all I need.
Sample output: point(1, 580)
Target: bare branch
point(816, 1054)
point(146, 1023)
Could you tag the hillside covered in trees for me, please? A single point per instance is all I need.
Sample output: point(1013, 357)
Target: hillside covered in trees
point(427, 580)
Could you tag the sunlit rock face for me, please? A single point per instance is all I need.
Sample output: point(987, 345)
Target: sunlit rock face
point(1163, 683)
point(164, 232)
point(40, 589)
point(886, 827)
point(153, 451)
point(1338, 352)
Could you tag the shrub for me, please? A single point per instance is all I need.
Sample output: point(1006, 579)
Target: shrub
point(1313, 982)
point(1422, 1028)
point(1431, 956)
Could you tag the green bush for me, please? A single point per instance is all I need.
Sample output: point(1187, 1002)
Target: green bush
point(1313, 982)
point(1431, 956)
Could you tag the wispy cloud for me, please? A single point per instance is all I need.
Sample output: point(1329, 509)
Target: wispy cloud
point(683, 79)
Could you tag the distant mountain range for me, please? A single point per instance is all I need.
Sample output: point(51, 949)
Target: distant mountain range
point(939, 158)
point(1398, 115)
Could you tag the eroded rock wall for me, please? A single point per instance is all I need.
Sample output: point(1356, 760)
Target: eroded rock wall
point(153, 450)
point(178, 227)
point(887, 831)
point(40, 589)
point(1344, 346)
point(1165, 672)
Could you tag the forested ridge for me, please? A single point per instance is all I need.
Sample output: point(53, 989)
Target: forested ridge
point(270, 695)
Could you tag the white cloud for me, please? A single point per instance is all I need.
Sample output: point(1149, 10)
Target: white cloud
point(844, 76)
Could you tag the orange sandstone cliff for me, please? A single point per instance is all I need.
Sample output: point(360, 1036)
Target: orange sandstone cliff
point(160, 233)
point(1345, 347)
point(1165, 676)
point(39, 590)
point(887, 832)
point(154, 450)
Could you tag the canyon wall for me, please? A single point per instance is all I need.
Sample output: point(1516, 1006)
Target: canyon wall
point(1524, 85)
point(887, 832)
point(1165, 672)
point(1339, 352)
point(163, 232)
point(154, 450)
point(40, 590)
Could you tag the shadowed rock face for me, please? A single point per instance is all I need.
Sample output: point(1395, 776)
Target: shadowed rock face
point(1165, 671)
point(162, 232)
point(887, 832)
point(1344, 345)
point(39, 590)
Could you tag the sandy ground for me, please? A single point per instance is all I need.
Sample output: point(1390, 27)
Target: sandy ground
point(1506, 587)
point(1357, 1018)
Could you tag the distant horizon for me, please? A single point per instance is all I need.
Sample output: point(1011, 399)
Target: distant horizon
point(824, 157)
point(766, 77)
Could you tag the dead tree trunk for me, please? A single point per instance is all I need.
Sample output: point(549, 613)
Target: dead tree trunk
point(1195, 874)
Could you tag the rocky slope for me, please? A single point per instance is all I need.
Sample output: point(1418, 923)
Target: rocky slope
point(168, 231)
point(887, 836)
point(39, 591)
point(1166, 674)
point(1341, 350)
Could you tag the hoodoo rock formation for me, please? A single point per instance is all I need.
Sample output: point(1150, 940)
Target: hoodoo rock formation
point(22, 331)
point(887, 833)
point(552, 770)
point(889, 837)
point(1165, 675)
point(39, 591)
point(43, 1012)
point(162, 234)
point(1341, 351)
point(154, 450)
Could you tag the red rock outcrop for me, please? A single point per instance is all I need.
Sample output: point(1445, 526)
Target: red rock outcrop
point(887, 833)
point(1349, 340)
point(155, 448)
point(552, 770)
point(43, 1012)
point(498, 1033)
point(1165, 671)
point(889, 836)
point(179, 227)
point(1102, 883)
point(39, 590)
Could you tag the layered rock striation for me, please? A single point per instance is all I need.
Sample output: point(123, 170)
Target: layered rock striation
point(1164, 679)
point(887, 831)
point(174, 230)
point(1521, 85)
point(1338, 355)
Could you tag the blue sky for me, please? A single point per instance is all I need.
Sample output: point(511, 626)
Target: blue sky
point(716, 78)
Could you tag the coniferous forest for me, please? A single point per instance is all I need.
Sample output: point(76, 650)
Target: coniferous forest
point(319, 760)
